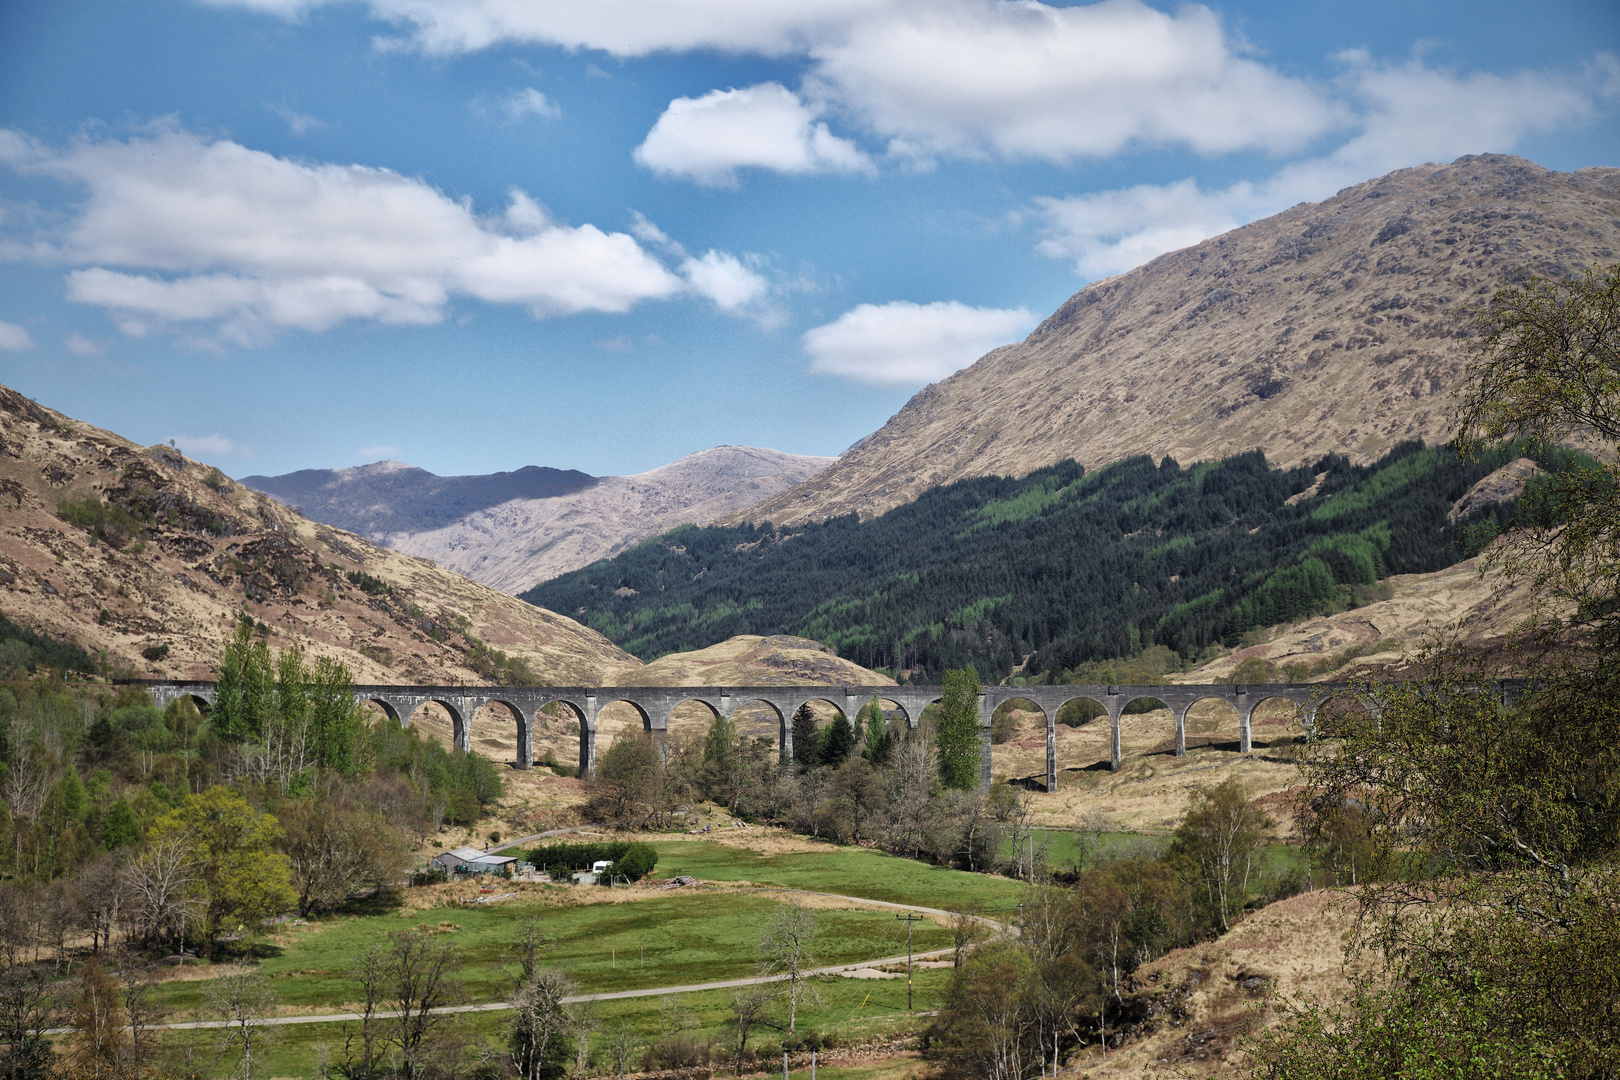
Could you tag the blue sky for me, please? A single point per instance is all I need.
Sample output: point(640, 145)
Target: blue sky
point(481, 234)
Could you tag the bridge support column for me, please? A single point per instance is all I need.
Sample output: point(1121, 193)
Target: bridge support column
point(984, 742)
point(1181, 730)
point(1051, 750)
point(1115, 706)
point(525, 742)
point(1310, 723)
point(787, 738)
point(587, 738)
point(1245, 729)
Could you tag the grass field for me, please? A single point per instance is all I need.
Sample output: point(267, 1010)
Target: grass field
point(638, 940)
point(663, 939)
point(857, 1010)
point(847, 871)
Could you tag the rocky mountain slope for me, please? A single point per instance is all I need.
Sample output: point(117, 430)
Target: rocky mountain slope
point(511, 531)
point(162, 555)
point(1331, 327)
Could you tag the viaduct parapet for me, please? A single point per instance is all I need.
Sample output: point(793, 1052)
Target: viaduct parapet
point(654, 704)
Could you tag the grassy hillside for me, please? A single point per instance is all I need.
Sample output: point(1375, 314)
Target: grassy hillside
point(1062, 566)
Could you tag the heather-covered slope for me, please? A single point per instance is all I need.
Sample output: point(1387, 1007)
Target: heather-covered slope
point(158, 556)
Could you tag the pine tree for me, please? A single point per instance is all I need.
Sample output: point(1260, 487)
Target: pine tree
point(838, 742)
point(806, 746)
point(957, 731)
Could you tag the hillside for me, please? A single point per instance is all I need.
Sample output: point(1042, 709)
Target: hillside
point(167, 553)
point(1062, 568)
point(1329, 328)
point(512, 530)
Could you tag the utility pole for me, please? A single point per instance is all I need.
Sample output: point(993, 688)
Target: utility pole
point(909, 918)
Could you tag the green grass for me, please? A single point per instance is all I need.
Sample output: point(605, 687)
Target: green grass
point(853, 1010)
point(872, 875)
point(686, 937)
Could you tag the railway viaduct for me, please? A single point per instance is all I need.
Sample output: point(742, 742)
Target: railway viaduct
point(654, 704)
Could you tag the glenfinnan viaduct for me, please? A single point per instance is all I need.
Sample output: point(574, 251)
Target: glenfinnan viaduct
point(655, 703)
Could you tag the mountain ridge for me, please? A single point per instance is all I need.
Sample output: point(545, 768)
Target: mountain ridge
point(512, 530)
point(1332, 327)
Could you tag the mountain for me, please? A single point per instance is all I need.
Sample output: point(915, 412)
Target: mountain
point(512, 530)
point(1047, 574)
point(1333, 327)
point(389, 497)
point(148, 559)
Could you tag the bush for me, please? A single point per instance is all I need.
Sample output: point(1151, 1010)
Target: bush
point(368, 584)
point(155, 653)
point(633, 860)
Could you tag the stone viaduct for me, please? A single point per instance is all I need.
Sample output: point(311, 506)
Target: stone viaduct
point(655, 704)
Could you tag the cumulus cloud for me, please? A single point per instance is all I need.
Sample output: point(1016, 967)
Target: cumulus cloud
point(14, 338)
point(767, 126)
point(902, 342)
point(1011, 77)
point(521, 104)
point(79, 345)
point(210, 446)
point(622, 28)
point(725, 280)
point(1408, 114)
point(175, 229)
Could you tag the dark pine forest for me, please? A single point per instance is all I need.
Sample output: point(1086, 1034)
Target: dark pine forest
point(1054, 570)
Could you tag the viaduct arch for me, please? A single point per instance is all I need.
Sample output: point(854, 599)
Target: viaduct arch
point(656, 703)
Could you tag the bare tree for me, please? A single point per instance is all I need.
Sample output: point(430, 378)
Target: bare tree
point(968, 928)
point(372, 975)
point(530, 945)
point(63, 916)
point(582, 1021)
point(540, 1026)
point(785, 945)
point(244, 1000)
point(28, 1009)
point(621, 1048)
point(333, 851)
point(142, 1011)
point(103, 885)
point(421, 979)
point(96, 1048)
point(165, 883)
point(750, 1009)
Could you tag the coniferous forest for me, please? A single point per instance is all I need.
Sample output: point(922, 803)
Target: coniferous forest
point(1056, 569)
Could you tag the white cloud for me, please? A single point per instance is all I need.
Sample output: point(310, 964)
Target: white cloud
point(378, 453)
point(1025, 80)
point(14, 338)
point(725, 280)
point(620, 27)
point(521, 104)
point(1012, 77)
point(178, 230)
point(212, 446)
point(709, 138)
point(297, 123)
point(79, 345)
point(1408, 114)
point(902, 342)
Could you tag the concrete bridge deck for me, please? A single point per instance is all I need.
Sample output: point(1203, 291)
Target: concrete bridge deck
point(654, 704)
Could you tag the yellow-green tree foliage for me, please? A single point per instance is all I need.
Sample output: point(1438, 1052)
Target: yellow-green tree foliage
point(245, 878)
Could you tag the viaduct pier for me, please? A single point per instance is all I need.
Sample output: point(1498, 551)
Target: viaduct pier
point(654, 704)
